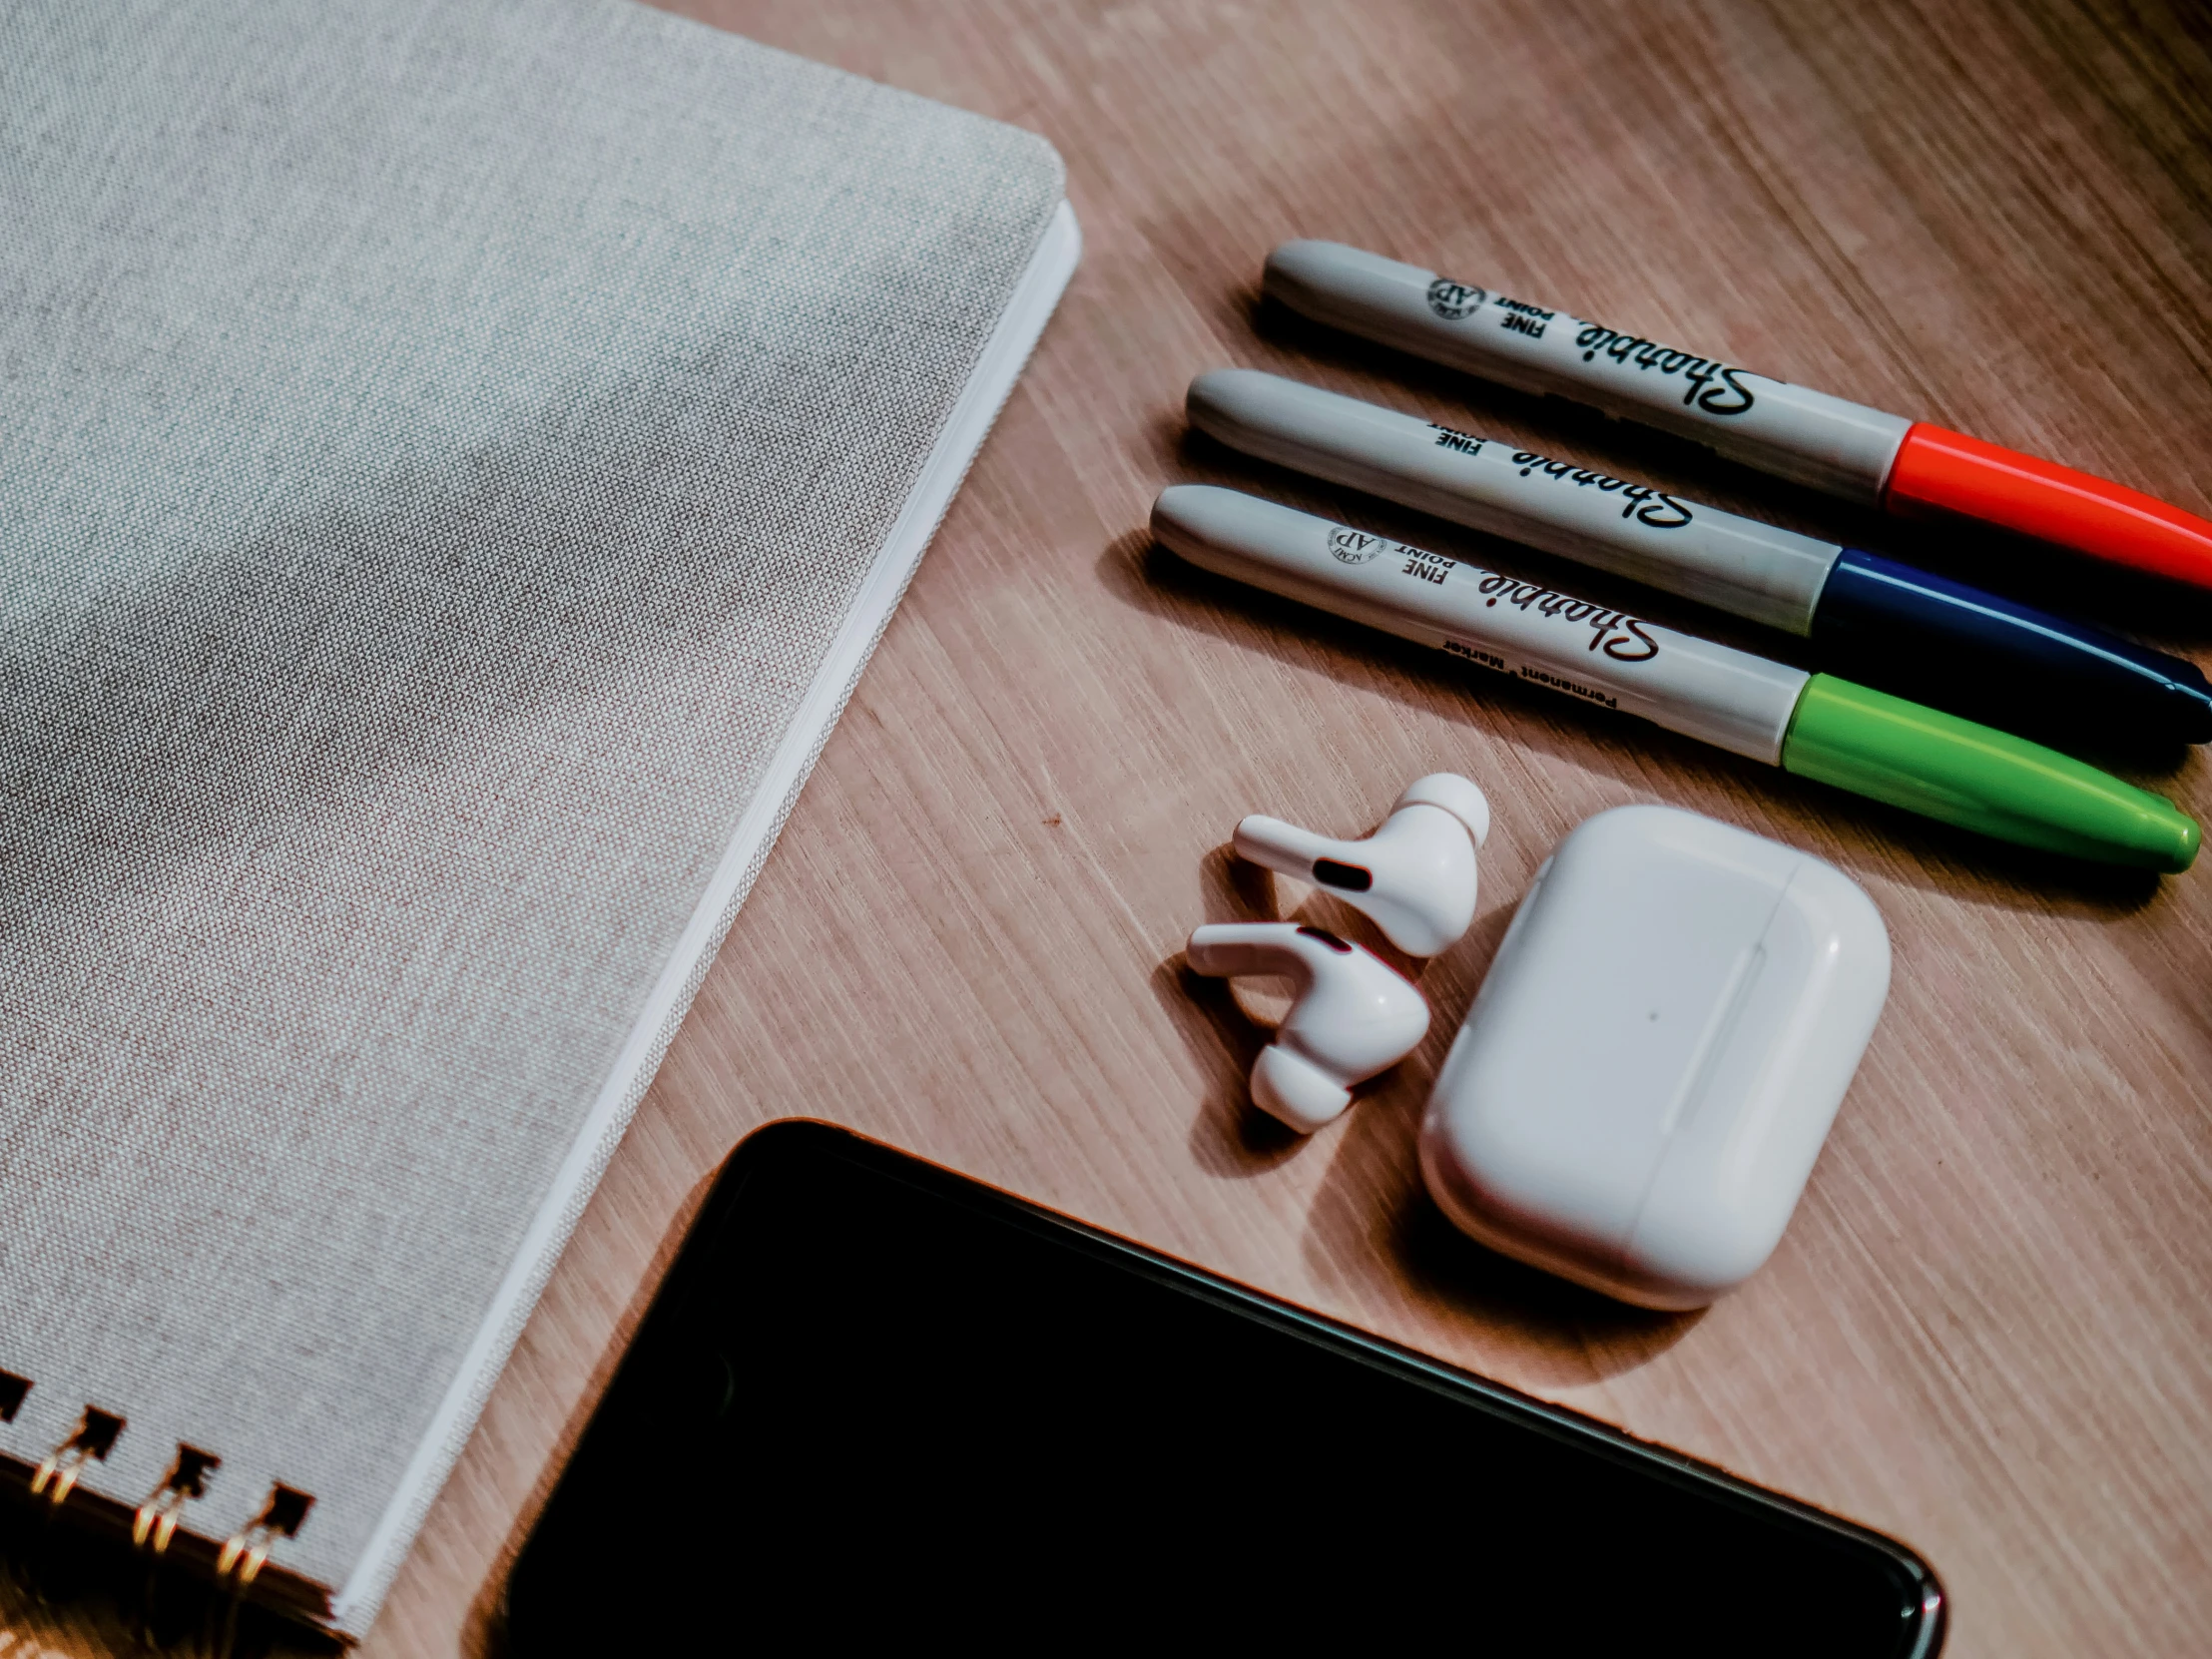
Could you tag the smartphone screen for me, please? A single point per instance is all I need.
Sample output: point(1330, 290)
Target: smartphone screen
point(874, 1400)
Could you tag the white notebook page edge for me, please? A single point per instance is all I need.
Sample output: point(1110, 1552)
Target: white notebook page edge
point(1004, 354)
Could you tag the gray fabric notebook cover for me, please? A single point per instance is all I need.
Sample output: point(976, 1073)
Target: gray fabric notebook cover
point(440, 445)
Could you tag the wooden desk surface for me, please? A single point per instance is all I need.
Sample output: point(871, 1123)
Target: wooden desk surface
point(1988, 1330)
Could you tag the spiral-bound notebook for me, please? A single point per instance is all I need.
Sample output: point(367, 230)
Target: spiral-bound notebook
point(455, 458)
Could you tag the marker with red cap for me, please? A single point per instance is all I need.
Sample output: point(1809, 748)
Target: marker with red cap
point(1902, 467)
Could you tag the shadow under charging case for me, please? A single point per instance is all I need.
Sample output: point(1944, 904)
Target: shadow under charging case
point(1638, 1093)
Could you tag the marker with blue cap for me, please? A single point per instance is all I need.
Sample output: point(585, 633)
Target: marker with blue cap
point(1815, 725)
point(1942, 640)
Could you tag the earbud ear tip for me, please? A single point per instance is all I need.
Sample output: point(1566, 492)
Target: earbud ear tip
point(1455, 795)
point(1295, 1091)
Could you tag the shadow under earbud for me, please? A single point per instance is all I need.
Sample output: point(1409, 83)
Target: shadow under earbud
point(1228, 1022)
point(1231, 1137)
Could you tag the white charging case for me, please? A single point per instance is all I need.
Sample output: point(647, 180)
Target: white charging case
point(1636, 1098)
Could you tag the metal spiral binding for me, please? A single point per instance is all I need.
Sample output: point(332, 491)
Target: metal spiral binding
point(60, 1468)
point(246, 1552)
point(93, 1439)
point(154, 1524)
point(157, 1518)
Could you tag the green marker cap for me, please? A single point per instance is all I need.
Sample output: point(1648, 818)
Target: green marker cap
point(1980, 779)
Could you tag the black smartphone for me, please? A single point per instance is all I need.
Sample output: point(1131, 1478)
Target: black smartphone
point(875, 1401)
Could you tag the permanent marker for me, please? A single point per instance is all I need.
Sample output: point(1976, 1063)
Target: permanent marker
point(1811, 724)
point(1958, 645)
point(1876, 459)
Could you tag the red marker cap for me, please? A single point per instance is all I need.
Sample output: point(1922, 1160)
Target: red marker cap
point(1949, 472)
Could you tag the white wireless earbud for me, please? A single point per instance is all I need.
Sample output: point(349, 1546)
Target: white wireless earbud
point(1415, 876)
point(1353, 1014)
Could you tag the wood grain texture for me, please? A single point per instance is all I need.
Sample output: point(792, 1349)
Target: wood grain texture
point(1988, 1328)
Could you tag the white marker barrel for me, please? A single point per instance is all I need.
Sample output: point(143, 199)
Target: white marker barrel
point(1843, 447)
point(1586, 651)
point(1754, 570)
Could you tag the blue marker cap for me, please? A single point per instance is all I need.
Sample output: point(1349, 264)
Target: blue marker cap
point(1964, 648)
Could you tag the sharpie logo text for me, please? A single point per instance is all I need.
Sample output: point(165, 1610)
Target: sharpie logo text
point(1711, 387)
point(1616, 633)
point(1646, 505)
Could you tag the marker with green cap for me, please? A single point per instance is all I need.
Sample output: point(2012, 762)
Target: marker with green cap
point(1812, 723)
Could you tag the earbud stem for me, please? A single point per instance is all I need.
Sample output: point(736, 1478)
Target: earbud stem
point(1276, 845)
point(1231, 949)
